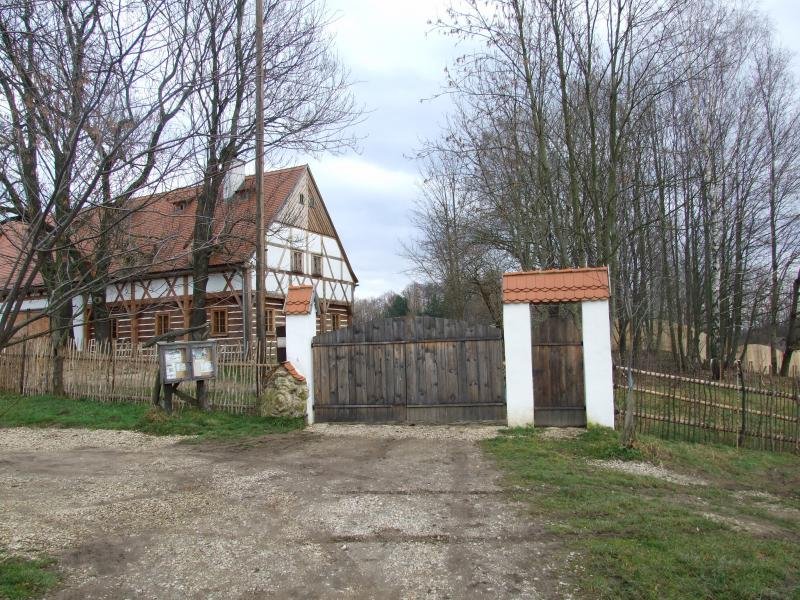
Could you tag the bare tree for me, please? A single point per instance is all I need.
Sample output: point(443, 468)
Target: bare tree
point(88, 90)
point(634, 134)
point(308, 104)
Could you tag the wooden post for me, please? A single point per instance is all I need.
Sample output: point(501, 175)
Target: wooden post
point(259, 191)
point(247, 311)
point(86, 317)
point(168, 389)
point(202, 395)
point(134, 316)
point(156, 394)
point(743, 396)
point(22, 368)
point(186, 304)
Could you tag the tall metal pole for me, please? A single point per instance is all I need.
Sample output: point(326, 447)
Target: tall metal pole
point(260, 233)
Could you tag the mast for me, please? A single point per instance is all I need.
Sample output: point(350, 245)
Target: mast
point(260, 234)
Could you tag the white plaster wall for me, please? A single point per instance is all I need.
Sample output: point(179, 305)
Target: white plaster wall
point(217, 283)
point(332, 247)
point(35, 304)
point(300, 330)
point(519, 364)
point(597, 367)
point(314, 243)
point(78, 304)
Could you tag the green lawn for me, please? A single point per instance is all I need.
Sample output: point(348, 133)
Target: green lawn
point(638, 536)
point(47, 411)
point(22, 578)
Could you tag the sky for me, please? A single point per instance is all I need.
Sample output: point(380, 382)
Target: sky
point(398, 65)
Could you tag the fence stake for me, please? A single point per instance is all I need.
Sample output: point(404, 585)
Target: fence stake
point(743, 396)
point(22, 368)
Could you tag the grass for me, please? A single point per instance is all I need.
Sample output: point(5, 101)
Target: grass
point(48, 411)
point(641, 537)
point(22, 578)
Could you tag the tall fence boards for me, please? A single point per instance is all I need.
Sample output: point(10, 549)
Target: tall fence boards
point(410, 369)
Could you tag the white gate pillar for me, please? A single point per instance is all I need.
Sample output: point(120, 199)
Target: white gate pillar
point(301, 327)
point(591, 287)
point(597, 368)
point(519, 361)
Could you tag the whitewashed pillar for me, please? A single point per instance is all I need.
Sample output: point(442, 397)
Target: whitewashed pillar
point(78, 316)
point(300, 330)
point(519, 364)
point(597, 367)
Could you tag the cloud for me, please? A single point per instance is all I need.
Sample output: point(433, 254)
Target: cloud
point(354, 172)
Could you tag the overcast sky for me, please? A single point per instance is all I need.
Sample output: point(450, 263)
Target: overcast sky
point(397, 63)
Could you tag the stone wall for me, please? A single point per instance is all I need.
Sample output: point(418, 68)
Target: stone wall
point(286, 393)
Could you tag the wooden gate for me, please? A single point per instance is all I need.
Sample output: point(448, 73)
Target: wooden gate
point(411, 369)
point(558, 387)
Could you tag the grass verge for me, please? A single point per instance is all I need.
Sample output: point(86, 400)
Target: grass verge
point(48, 411)
point(22, 578)
point(638, 536)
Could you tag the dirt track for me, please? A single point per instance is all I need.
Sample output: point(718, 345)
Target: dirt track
point(328, 513)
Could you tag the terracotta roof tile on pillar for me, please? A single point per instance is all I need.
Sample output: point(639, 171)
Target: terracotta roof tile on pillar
point(558, 285)
point(292, 371)
point(298, 300)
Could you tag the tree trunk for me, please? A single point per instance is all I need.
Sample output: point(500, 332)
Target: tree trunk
point(60, 322)
point(101, 319)
point(792, 331)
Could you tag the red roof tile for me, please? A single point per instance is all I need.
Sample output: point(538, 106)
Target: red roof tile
point(292, 371)
point(298, 300)
point(559, 285)
point(163, 234)
point(13, 236)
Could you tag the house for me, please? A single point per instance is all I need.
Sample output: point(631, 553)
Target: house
point(302, 248)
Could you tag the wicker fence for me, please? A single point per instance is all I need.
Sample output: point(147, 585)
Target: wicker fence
point(748, 409)
point(121, 373)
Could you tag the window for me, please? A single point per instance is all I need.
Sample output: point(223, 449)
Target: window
point(316, 265)
point(114, 328)
point(219, 321)
point(311, 201)
point(162, 323)
point(336, 322)
point(269, 320)
point(302, 199)
point(297, 262)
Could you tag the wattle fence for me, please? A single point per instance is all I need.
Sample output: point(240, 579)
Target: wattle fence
point(121, 373)
point(750, 410)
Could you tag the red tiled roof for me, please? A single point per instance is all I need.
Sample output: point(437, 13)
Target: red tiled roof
point(12, 240)
point(157, 237)
point(292, 371)
point(298, 300)
point(559, 285)
point(163, 234)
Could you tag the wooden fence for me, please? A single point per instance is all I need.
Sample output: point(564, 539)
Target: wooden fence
point(124, 374)
point(410, 369)
point(754, 412)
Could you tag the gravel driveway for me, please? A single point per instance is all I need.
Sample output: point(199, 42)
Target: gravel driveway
point(334, 512)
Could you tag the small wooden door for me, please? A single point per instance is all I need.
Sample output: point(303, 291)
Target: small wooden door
point(558, 390)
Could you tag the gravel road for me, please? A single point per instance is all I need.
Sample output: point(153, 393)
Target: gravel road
point(330, 512)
